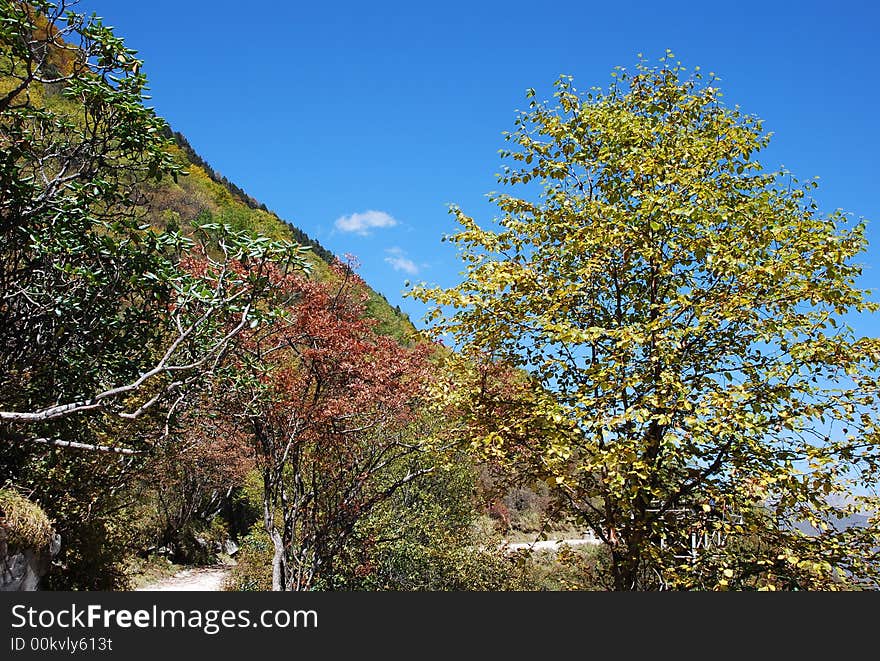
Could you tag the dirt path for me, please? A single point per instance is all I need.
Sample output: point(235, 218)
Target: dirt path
point(199, 579)
point(551, 544)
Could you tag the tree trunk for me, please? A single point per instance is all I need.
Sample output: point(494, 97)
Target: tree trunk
point(279, 582)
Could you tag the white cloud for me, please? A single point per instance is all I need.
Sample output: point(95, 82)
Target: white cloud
point(362, 223)
point(400, 262)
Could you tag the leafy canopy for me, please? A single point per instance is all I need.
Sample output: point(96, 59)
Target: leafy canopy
point(676, 307)
point(106, 322)
point(96, 304)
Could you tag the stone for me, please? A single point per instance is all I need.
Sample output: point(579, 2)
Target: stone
point(21, 571)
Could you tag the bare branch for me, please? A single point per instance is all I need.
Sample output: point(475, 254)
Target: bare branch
point(82, 446)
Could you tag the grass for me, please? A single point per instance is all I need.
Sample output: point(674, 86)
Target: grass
point(579, 568)
point(145, 571)
point(557, 531)
point(24, 524)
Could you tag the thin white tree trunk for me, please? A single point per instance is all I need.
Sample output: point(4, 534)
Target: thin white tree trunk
point(278, 578)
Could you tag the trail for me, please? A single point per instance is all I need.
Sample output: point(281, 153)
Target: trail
point(198, 579)
point(551, 544)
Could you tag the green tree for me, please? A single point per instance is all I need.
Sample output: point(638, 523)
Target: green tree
point(424, 537)
point(100, 313)
point(675, 309)
point(107, 325)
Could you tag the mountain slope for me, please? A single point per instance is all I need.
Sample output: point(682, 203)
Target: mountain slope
point(203, 195)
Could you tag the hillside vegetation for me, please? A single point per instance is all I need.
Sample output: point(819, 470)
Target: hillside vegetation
point(649, 348)
point(203, 196)
point(178, 362)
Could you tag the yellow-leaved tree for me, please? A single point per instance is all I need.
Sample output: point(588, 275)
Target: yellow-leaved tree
point(689, 390)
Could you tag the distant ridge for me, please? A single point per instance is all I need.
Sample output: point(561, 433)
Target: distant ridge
point(196, 159)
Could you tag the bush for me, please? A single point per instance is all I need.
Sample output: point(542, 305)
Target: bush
point(253, 573)
point(93, 556)
point(246, 505)
point(442, 564)
point(201, 543)
point(528, 507)
point(82, 494)
point(430, 536)
point(24, 524)
point(569, 568)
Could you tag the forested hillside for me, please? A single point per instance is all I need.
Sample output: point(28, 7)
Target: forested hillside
point(178, 362)
point(203, 196)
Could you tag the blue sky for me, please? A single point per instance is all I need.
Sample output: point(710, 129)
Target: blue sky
point(361, 122)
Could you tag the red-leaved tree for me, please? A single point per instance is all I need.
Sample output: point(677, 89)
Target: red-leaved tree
point(334, 412)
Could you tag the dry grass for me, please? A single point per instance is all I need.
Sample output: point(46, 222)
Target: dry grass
point(145, 571)
point(24, 524)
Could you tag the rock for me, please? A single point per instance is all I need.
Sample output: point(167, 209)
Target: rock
point(21, 571)
point(230, 547)
point(55, 545)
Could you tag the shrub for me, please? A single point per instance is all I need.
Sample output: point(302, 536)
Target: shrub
point(569, 568)
point(24, 524)
point(253, 573)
